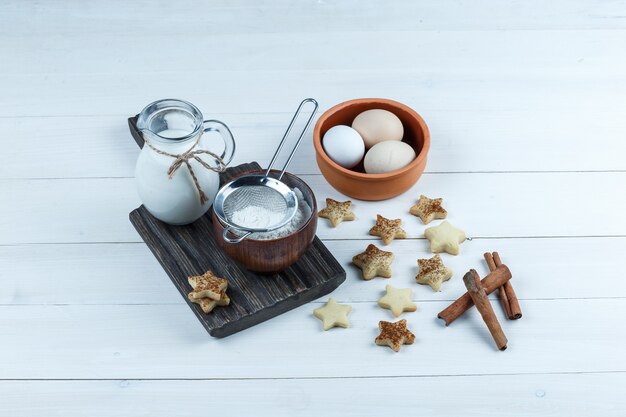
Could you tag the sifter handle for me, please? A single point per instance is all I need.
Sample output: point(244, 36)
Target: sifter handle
point(238, 239)
point(282, 142)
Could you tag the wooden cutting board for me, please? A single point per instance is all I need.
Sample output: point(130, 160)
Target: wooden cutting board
point(192, 250)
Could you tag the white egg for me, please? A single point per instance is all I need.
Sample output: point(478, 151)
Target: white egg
point(388, 156)
point(344, 145)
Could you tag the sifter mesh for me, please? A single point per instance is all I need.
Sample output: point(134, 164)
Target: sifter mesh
point(255, 203)
point(259, 197)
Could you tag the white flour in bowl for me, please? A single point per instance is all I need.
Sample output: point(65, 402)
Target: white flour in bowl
point(253, 216)
point(256, 217)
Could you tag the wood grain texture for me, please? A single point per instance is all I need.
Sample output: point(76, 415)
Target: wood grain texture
point(499, 70)
point(141, 341)
point(520, 205)
point(109, 153)
point(571, 395)
point(193, 250)
point(32, 19)
point(128, 273)
point(277, 90)
point(134, 132)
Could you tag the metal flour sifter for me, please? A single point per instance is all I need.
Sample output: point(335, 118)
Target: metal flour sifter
point(265, 193)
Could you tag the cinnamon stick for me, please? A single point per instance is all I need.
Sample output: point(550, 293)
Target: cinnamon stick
point(476, 290)
point(504, 300)
point(506, 292)
point(514, 311)
point(494, 280)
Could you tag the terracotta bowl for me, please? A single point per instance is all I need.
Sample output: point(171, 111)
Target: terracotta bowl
point(355, 182)
point(277, 254)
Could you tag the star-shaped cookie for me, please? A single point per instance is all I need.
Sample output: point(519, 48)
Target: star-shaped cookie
point(428, 209)
point(337, 211)
point(394, 335)
point(374, 262)
point(388, 229)
point(445, 238)
point(333, 314)
point(433, 272)
point(208, 304)
point(397, 300)
point(208, 291)
point(207, 285)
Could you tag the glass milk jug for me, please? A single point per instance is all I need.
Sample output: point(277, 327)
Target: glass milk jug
point(177, 177)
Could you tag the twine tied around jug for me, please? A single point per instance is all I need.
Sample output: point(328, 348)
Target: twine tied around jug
point(183, 158)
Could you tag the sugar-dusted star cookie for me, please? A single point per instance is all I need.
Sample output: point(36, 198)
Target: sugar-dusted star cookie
point(337, 211)
point(428, 209)
point(208, 304)
point(394, 335)
point(397, 300)
point(374, 262)
point(207, 285)
point(433, 272)
point(209, 291)
point(333, 314)
point(388, 229)
point(445, 238)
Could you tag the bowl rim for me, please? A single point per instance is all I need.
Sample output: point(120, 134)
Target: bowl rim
point(419, 158)
point(298, 230)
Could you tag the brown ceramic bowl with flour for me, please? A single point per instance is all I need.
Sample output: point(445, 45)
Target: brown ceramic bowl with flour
point(273, 255)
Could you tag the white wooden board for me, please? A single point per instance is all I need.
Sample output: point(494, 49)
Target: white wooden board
point(525, 103)
point(166, 341)
point(555, 268)
point(484, 205)
point(520, 140)
point(240, 17)
point(573, 395)
point(233, 91)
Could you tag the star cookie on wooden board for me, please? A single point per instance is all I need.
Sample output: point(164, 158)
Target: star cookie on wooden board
point(394, 335)
point(428, 209)
point(207, 285)
point(374, 262)
point(333, 314)
point(445, 238)
point(397, 300)
point(209, 291)
point(433, 272)
point(208, 304)
point(337, 211)
point(388, 229)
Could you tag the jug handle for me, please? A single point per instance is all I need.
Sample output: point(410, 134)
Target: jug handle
point(227, 138)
